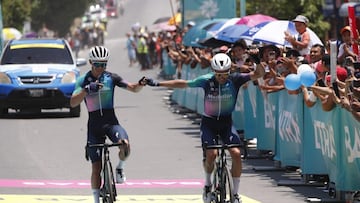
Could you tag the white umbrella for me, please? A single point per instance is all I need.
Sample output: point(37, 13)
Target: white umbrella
point(10, 33)
point(272, 32)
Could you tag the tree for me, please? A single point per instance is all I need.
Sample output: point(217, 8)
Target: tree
point(15, 12)
point(57, 15)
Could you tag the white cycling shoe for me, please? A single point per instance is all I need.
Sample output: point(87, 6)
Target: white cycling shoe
point(120, 176)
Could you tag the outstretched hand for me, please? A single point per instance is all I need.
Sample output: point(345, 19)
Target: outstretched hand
point(142, 81)
point(152, 82)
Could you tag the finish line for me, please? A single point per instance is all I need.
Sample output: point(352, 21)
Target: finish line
point(123, 199)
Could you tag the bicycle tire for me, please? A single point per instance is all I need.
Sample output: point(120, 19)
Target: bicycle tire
point(215, 187)
point(109, 195)
point(226, 186)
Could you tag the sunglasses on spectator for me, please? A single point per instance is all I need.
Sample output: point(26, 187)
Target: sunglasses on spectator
point(99, 64)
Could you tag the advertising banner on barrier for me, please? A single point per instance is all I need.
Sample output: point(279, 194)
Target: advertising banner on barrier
point(168, 65)
point(191, 93)
point(290, 123)
point(266, 109)
point(312, 161)
point(348, 167)
point(239, 112)
point(251, 115)
point(325, 135)
point(200, 92)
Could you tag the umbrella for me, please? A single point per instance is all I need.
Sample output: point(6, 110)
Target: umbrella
point(252, 20)
point(231, 33)
point(198, 33)
point(30, 35)
point(228, 22)
point(164, 26)
point(162, 19)
point(10, 33)
point(175, 20)
point(272, 32)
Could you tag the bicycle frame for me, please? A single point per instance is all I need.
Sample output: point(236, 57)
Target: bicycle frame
point(108, 188)
point(222, 189)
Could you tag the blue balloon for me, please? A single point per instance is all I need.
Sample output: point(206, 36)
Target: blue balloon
point(292, 82)
point(307, 78)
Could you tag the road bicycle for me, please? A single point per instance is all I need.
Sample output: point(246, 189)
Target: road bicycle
point(222, 187)
point(108, 188)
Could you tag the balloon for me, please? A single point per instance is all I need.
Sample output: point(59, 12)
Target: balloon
point(307, 78)
point(304, 67)
point(292, 82)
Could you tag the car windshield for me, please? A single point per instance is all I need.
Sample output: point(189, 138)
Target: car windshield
point(38, 55)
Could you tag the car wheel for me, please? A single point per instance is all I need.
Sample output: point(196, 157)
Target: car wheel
point(75, 112)
point(4, 112)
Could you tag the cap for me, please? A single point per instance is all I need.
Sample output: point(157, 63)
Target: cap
point(269, 46)
point(191, 23)
point(302, 19)
point(346, 28)
point(341, 74)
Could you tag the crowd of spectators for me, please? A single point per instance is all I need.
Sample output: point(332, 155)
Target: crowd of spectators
point(279, 61)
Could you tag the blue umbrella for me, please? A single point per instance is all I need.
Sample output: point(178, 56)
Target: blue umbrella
point(231, 33)
point(198, 33)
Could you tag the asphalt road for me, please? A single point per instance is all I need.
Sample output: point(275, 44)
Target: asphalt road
point(47, 151)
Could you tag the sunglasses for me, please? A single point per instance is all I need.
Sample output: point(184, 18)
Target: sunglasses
point(219, 74)
point(99, 64)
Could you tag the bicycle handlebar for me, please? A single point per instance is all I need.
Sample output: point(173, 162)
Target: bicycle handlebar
point(223, 146)
point(105, 145)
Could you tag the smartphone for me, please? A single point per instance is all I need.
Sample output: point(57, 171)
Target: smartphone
point(321, 83)
point(336, 89)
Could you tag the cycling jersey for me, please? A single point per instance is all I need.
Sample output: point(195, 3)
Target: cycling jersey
point(102, 119)
point(220, 99)
point(104, 98)
point(219, 103)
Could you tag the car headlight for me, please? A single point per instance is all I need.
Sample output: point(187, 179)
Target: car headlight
point(4, 79)
point(69, 77)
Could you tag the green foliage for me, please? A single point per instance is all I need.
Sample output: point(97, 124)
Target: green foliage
point(57, 15)
point(15, 12)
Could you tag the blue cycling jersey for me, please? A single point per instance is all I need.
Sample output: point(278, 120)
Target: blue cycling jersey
point(104, 98)
point(220, 99)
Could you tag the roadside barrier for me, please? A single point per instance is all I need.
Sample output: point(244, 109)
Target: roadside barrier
point(318, 142)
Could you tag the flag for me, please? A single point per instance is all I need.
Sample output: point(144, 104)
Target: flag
point(197, 10)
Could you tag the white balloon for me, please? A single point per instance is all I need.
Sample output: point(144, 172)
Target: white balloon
point(303, 68)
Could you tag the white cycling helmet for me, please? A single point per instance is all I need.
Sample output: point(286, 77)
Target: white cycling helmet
point(221, 62)
point(99, 53)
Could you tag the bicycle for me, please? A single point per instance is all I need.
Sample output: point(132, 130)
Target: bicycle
point(222, 187)
point(108, 188)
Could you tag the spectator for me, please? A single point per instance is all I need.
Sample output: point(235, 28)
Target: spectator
point(131, 49)
point(301, 42)
point(345, 49)
point(239, 54)
point(324, 91)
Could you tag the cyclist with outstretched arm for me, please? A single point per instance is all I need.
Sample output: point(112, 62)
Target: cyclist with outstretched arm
point(96, 88)
point(221, 89)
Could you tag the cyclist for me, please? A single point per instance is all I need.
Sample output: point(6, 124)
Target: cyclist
point(96, 88)
point(221, 89)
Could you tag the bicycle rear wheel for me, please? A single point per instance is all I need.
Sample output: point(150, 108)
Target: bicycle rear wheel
point(109, 184)
point(226, 186)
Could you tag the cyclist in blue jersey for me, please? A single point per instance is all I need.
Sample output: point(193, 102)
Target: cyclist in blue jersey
point(221, 89)
point(96, 88)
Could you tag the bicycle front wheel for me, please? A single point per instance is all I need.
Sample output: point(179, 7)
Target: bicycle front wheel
point(226, 186)
point(109, 184)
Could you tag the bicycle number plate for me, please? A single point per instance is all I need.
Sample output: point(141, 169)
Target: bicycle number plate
point(36, 92)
